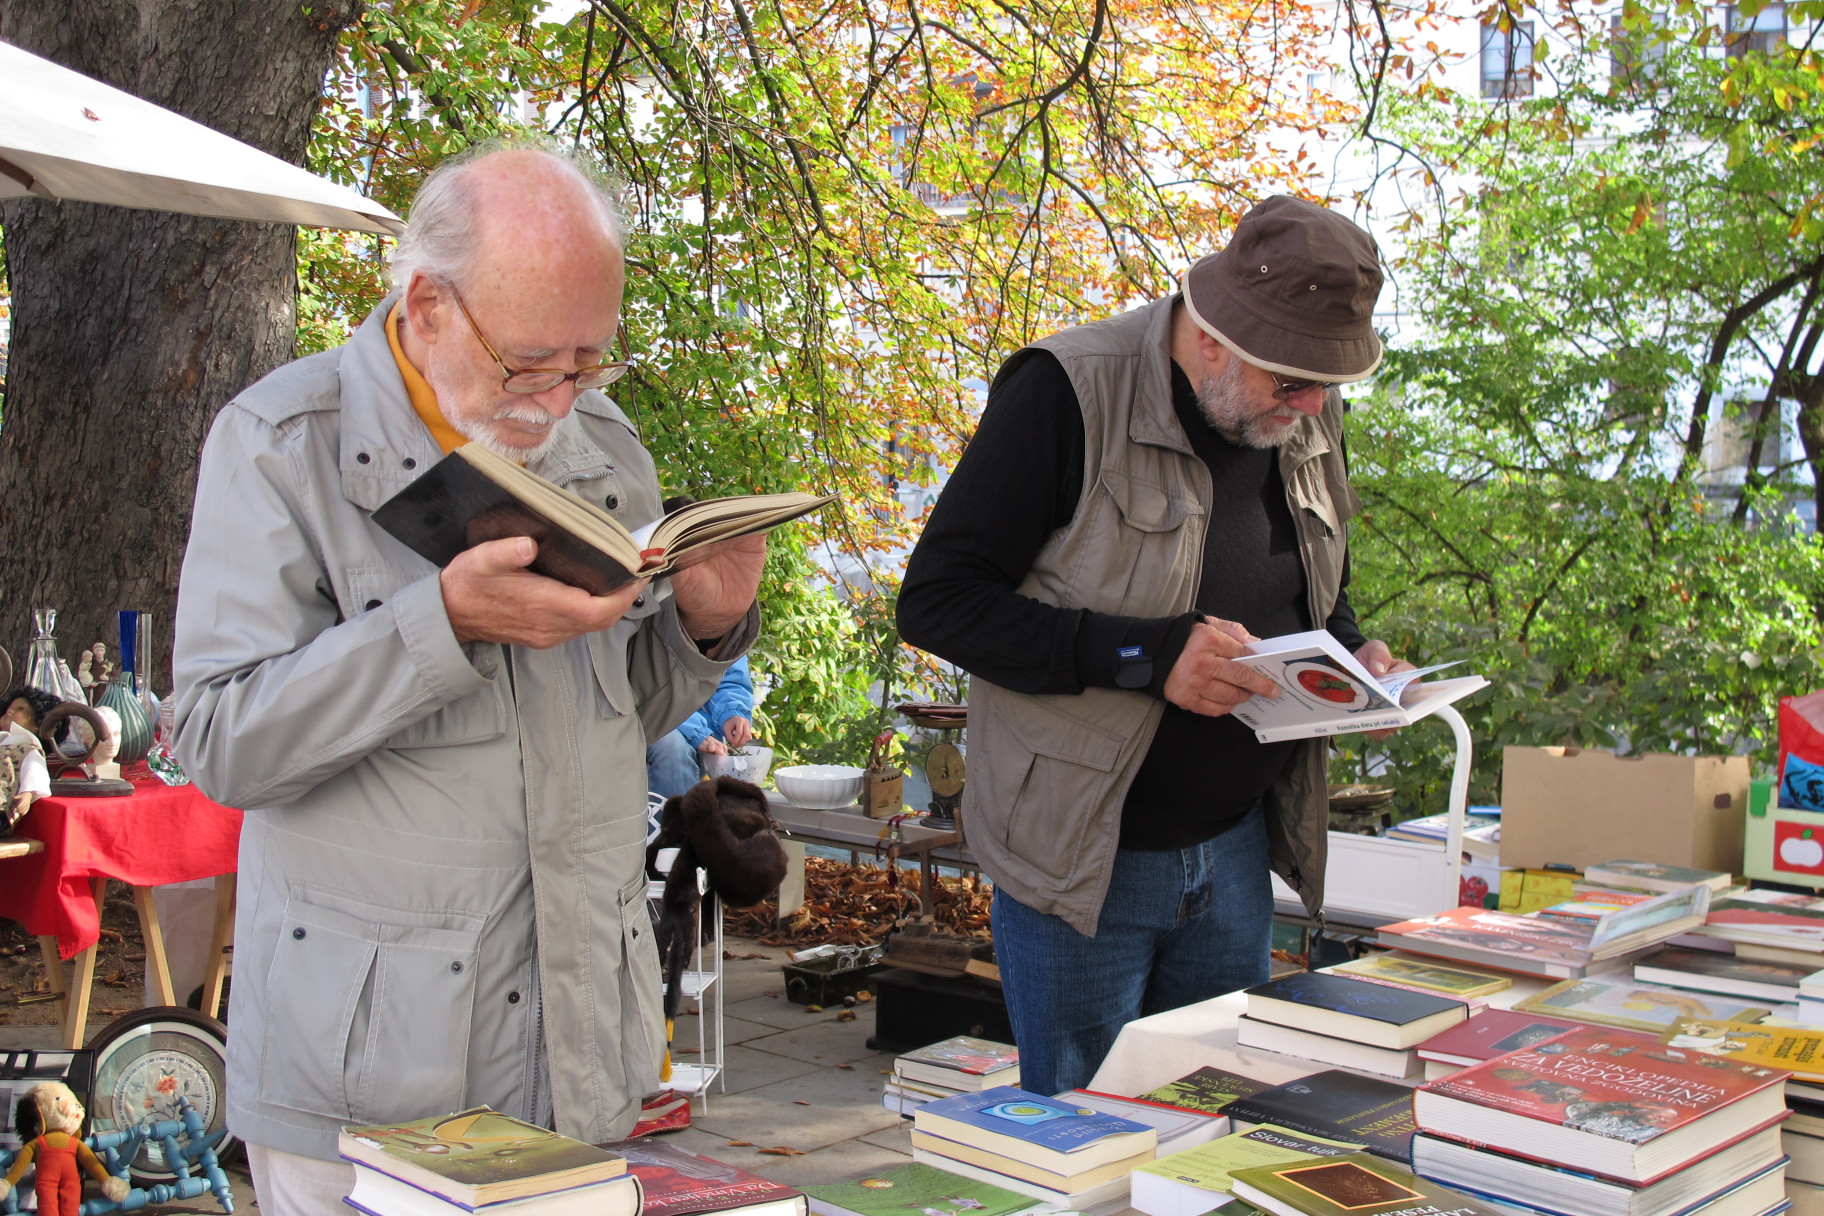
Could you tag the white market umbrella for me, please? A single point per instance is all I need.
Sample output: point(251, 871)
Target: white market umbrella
point(65, 135)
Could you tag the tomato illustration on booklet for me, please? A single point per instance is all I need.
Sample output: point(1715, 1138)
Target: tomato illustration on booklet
point(1324, 690)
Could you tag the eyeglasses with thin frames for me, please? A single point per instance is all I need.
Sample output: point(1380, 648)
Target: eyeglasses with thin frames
point(539, 379)
point(1285, 388)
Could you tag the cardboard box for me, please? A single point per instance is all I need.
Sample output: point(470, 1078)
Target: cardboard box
point(1567, 806)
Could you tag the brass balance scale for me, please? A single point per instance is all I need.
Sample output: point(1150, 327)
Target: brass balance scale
point(944, 766)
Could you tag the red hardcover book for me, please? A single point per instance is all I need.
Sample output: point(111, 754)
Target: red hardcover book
point(677, 1182)
point(1491, 1033)
point(1609, 1101)
point(1496, 939)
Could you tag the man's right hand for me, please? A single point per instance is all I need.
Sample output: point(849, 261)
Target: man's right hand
point(1206, 679)
point(491, 597)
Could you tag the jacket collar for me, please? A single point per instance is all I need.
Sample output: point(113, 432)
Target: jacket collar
point(384, 445)
point(1154, 420)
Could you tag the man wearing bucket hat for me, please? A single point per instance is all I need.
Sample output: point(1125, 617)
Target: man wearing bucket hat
point(1145, 495)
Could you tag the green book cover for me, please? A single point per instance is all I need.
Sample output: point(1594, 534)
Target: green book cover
point(478, 1156)
point(1207, 1090)
point(1208, 1166)
point(1359, 1185)
point(916, 1190)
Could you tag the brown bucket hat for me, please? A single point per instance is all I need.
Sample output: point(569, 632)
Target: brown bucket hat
point(1293, 292)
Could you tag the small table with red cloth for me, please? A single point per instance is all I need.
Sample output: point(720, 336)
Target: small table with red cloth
point(162, 834)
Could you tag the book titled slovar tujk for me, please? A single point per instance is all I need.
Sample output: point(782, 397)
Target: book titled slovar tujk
point(1612, 1102)
point(475, 495)
point(478, 1157)
point(1357, 1185)
point(678, 1182)
point(1346, 1008)
point(1335, 1105)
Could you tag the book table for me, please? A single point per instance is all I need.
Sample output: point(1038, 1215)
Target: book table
point(161, 834)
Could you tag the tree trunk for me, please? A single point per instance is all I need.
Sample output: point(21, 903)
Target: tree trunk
point(131, 328)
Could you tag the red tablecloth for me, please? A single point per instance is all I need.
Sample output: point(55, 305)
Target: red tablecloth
point(163, 833)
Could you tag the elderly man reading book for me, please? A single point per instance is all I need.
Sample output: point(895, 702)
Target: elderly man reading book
point(442, 900)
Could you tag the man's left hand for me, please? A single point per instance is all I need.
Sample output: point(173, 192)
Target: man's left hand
point(1378, 659)
point(714, 591)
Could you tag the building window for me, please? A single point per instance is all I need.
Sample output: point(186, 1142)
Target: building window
point(1763, 31)
point(1507, 59)
point(1633, 54)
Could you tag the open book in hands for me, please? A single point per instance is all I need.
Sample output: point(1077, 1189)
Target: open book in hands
point(475, 495)
point(1325, 690)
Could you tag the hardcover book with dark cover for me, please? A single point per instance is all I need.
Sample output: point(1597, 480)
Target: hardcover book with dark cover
point(1208, 1090)
point(1337, 1106)
point(680, 1183)
point(1358, 1185)
point(1337, 1005)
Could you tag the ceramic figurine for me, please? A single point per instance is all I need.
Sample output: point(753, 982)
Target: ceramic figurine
point(47, 1120)
point(85, 672)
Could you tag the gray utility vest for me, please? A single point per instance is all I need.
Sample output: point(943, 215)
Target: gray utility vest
point(1048, 774)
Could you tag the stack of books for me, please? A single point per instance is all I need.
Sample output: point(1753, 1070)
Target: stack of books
point(1650, 876)
point(1795, 1052)
point(1038, 1146)
point(1335, 1106)
point(1336, 1019)
point(1481, 838)
point(1560, 946)
point(1597, 1122)
point(1768, 926)
point(678, 1182)
point(1197, 1180)
point(1358, 1185)
point(955, 1066)
point(918, 1190)
point(479, 1162)
point(1811, 999)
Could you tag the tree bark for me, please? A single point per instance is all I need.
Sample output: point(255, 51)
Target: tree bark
point(131, 328)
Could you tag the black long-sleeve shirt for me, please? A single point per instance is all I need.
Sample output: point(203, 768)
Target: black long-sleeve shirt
point(1018, 481)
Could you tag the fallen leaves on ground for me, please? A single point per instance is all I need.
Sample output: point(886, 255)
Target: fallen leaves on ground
point(732, 955)
point(781, 1150)
point(856, 905)
point(740, 1144)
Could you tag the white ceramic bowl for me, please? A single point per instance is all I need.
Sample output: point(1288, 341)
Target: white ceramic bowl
point(819, 787)
point(749, 763)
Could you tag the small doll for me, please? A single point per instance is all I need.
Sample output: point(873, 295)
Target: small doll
point(47, 1119)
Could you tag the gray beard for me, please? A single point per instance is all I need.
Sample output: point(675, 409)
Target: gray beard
point(1222, 399)
point(488, 437)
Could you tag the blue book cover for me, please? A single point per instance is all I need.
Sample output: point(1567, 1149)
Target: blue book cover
point(1340, 994)
point(1045, 1122)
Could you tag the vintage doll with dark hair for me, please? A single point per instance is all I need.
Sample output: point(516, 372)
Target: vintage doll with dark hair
point(48, 1119)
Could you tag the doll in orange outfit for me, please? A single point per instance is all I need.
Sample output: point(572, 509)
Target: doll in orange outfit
point(48, 1119)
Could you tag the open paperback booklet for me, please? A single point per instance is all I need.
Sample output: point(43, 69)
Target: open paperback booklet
point(1324, 690)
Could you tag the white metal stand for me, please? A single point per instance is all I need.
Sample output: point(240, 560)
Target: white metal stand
point(702, 985)
point(1378, 880)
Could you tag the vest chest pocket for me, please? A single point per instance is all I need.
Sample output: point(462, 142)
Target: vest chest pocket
point(1142, 552)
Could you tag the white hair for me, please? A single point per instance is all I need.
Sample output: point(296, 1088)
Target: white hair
point(440, 237)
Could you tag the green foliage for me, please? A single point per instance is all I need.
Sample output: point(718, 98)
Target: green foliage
point(1638, 253)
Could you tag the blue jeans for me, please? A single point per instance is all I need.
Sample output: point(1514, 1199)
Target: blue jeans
point(1178, 926)
point(671, 765)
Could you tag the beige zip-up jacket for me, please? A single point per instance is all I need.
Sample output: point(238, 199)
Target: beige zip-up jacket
point(442, 900)
point(1049, 774)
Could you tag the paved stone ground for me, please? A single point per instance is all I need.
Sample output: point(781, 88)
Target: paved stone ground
point(805, 1081)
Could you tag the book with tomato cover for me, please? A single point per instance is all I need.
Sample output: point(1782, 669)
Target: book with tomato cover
point(1335, 1105)
point(1324, 690)
point(475, 495)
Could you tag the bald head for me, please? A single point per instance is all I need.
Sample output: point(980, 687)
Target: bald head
point(514, 249)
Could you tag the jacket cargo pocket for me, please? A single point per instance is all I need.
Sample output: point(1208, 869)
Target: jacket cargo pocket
point(1067, 755)
point(1147, 526)
point(642, 1013)
point(368, 1018)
